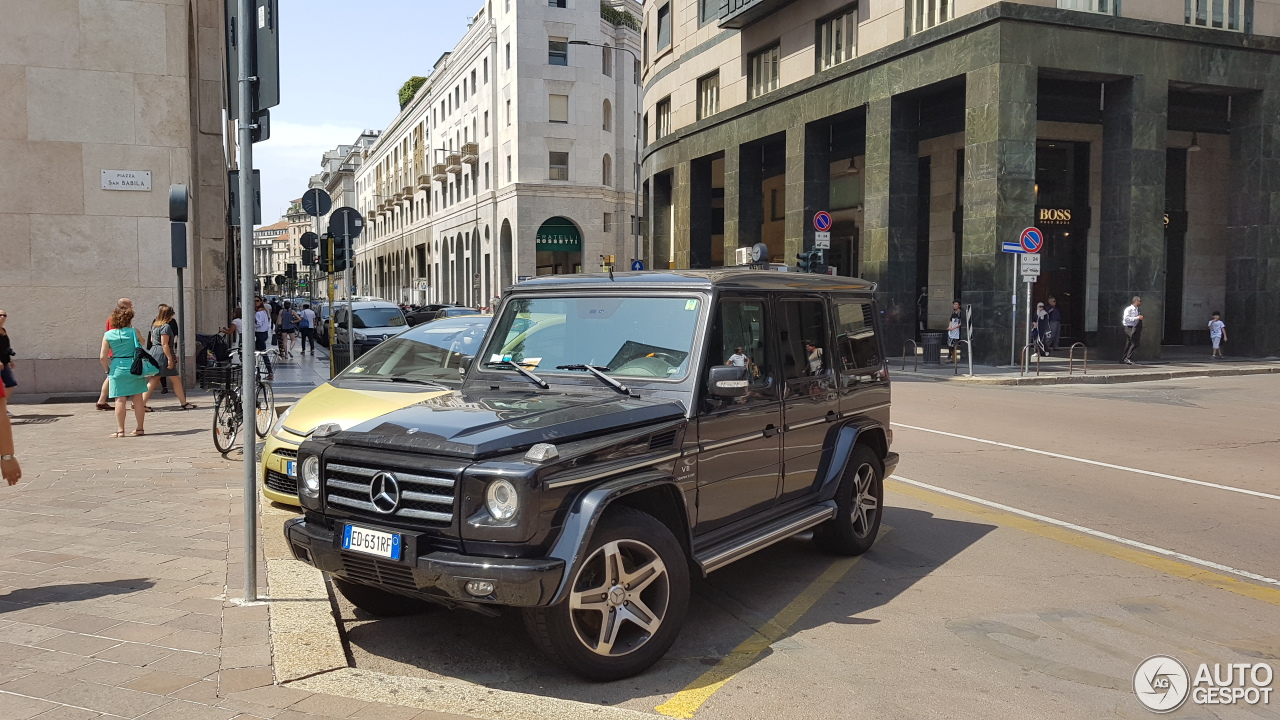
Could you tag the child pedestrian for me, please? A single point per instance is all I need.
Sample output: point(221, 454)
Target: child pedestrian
point(1217, 334)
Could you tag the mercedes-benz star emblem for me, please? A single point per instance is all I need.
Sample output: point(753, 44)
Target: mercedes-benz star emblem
point(384, 493)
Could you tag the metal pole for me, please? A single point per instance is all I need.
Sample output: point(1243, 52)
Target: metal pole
point(350, 280)
point(1013, 313)
point(328, 281)
point(244, 31)
point(1027, 340)
point(181, 327)
point(635, 120)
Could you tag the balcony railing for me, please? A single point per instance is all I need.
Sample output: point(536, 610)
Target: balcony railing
point(1217, 14)
point(454, 163)
point(439, 172)
point(471, 153)
point(424, 182)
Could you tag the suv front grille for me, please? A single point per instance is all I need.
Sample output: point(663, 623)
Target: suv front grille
point(281, 483)
point(423, 498)
point(377, 572)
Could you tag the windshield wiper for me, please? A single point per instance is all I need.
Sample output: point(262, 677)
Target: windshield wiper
point(414, 381)
point(533, 378)
point(598, 372)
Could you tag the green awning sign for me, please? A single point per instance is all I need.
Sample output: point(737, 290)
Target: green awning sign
point(559, 234)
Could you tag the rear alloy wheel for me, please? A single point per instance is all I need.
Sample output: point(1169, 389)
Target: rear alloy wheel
point(626, 602)
point(859, 506)
point(378, 602)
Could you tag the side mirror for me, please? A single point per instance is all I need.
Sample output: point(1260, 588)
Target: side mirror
point(464, 363)
point(728, 381)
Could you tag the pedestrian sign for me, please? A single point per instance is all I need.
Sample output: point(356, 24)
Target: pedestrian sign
point(637, 265)
point(1031, 240)
point(822, 221)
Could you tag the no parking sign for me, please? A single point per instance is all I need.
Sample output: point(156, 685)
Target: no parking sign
point(822, 221)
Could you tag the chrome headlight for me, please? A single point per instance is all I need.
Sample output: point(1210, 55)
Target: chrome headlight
point(275, 429)
point(360, 337)
point(311, 475)
point(501, 500)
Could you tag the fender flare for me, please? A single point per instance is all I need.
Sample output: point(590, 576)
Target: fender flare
point(837, 458)
point(586, 513)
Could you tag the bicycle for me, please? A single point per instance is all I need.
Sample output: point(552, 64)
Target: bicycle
point(228, 412)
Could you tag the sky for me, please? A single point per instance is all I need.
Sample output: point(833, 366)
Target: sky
point(341, 66)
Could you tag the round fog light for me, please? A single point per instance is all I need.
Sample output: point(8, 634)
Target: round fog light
point(501, 499)
point(311, 475)
point(479, 588)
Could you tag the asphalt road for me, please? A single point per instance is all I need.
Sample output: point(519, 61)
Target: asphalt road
point(1005, 605)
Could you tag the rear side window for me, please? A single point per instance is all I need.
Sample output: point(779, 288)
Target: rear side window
point(805, 347)
point(859, 349)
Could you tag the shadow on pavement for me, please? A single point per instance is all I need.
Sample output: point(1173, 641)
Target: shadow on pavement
point(23, 598)
point(725, 610)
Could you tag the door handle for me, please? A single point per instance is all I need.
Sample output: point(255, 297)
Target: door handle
point(770, 430)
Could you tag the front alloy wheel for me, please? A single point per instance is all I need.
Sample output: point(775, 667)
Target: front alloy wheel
point(626, 602)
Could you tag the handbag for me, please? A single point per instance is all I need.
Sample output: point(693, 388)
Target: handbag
point(137, 368)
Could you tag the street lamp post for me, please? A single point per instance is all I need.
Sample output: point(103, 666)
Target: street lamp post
point(635, 223)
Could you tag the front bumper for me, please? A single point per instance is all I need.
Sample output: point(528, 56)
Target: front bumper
point(277, 485)
point(436, 575)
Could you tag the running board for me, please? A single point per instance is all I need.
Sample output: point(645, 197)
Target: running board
point(721, 554)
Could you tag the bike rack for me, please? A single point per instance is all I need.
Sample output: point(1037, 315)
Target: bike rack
point(915, 353)
point(968, 354)
point(1023, 370)
point(1071, 358)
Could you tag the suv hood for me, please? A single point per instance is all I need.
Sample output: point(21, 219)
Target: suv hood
point(483, 424)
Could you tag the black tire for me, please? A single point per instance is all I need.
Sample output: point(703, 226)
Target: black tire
point(379, 603)
point(854, 528)
point(637, 541)
point(226, 426)
point(264, 414)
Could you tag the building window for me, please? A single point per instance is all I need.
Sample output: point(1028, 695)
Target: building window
point(508, 168)
point(1097, 6)
point(837, 39)
point(924, 14)
point(1219, 14)
point(606, 174)
point(762, 68)
point(556, 3)
point(608, 222)
point(508, 113)
point(708, 10)
point(644, 128)
point(558, 108)
point(635, 72)
point(606, 61)
point(664, 26)
point(644, 43)
point(607, 113)
point(663, 114)
point(557, 51)
point(508, 56)
point(486, 176)
point(709, 95)
point(473, 82)
point(486, 123)
point(559, 162)
point(485, 73)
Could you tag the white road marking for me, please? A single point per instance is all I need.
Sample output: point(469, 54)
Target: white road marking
point(1090, 531)
point(1086, 461)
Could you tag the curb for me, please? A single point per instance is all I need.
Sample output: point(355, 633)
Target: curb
point(1099, 379)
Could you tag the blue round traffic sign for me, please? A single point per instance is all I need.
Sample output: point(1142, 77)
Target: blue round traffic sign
point(1031, 240)
point(637, 264)
point(822, 221)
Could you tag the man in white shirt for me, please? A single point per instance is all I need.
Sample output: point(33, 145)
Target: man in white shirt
point(1132, 322)
point(737, 359)
point(308, 328)
point(261, 332)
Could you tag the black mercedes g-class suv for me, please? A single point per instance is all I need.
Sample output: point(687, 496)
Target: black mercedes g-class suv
point(614, 435)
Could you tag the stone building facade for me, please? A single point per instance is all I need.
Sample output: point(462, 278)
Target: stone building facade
point(515, 158)
point(1142, 138)
point(88, 89)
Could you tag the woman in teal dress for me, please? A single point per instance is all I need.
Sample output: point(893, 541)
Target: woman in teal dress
point(119, 344)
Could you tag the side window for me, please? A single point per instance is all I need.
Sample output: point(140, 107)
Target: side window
point(739, 336)
point(806, 349)
point(856, 338)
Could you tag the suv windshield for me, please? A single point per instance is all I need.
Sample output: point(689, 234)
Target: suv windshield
point(427, 353)
point(378, 317)
point(647, 337)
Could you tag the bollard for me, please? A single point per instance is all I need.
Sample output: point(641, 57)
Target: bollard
point(915, 353)
point(1071, 358)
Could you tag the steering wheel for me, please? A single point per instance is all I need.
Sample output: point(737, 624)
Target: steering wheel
point(644, 367)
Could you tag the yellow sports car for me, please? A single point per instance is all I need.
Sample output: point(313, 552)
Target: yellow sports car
point(419, 363)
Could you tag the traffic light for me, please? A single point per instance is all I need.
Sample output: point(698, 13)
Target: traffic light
point(291, 271)
point(308, 258)
point(811, 261)
point(339, 261)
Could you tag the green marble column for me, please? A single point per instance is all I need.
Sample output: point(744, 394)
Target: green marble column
point(890, 218)
point(1252, 309)
point(680, 210)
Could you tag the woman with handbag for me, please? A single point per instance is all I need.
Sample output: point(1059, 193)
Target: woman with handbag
point(164, 350)
point(6, 354)
point(127, 366)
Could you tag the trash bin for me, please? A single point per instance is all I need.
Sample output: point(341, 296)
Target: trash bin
point(931, 342)
point(340, 357)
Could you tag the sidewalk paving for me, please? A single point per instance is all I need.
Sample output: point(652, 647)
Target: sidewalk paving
point(1059, 370)
point(122, 565)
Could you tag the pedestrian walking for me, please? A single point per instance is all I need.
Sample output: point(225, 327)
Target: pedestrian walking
point(1040, 333)
point(235, 330)
point(289, 319)
point(164, 349)
point(1132, 321)
point(6, 354)
point(1217, 334)
point(120, 345)
point(9, 468)
point(953, 330)
point(308, 328)
point(261, 332)
point(276, 338)
point(124, 303)
point(1055, 324)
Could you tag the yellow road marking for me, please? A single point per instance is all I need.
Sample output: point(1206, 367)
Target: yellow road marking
point(687, 702)
point(1165, 565)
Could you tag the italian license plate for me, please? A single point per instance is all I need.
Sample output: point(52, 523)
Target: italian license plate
point(291, 468)
point(371, 542)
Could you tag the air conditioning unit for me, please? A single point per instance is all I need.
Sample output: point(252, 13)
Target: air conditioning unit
point(742, 256)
